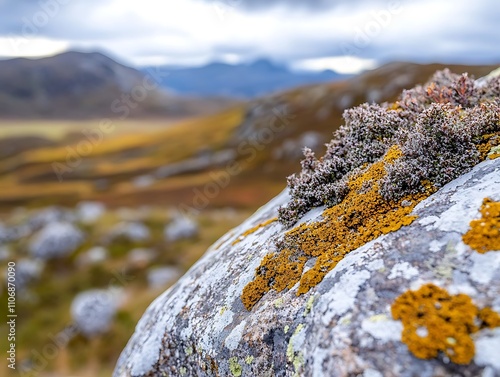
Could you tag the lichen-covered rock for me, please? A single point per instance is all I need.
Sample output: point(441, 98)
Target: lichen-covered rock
point(140, 257)
point(94, 255)
point(88, 212)
point(56, 240)
point(181, 227)
point(374, 268)
point(130, 231)
point(353, 321)
point(93, 311)
point(5, 253)
point(48, 216)
point(27, 271)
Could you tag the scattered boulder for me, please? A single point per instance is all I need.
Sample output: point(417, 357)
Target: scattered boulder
point(5, 253)
point(130, 231)
point(27, 272)
point(143, 181)
point(89, 212)
point(5, 234)
point(94, 255)
point(159, 277)
point(181, 227)
point(56, 240)
point(48, 216)
point(208, 160)
point(93, 311)
point(13, 233)
point(292, 148)
point(140, 257)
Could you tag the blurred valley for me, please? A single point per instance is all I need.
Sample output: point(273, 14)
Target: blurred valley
point(113, 180)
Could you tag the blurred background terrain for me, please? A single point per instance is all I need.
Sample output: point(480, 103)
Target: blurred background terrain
point(117, 174)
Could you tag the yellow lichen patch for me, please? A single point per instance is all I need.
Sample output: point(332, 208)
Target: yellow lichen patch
point(494, 152)
point(254, 229)
point(484, 233)
point(282, 269)
point(490, 147)
point(434, 321)
point(489, 318)
point(362, 216)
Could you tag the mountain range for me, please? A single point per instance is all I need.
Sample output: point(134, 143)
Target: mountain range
point(154, 161)
point(244, 81)
point(89, 85)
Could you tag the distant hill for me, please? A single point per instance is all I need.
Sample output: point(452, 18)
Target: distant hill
point(240, 81)
point(87, 85)
point(258, 143)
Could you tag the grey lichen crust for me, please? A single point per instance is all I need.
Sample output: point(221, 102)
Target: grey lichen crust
point(341, 327)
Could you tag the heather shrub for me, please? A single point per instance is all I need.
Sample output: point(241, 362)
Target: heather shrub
point(438, 127)
point(365, 137)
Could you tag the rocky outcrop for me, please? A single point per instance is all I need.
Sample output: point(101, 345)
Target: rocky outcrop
point(381, 259)
point(354, 321)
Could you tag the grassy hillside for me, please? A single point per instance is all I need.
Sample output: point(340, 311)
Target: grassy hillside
point(157, 162)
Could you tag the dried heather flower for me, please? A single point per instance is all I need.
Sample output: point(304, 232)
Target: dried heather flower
point(437, 127)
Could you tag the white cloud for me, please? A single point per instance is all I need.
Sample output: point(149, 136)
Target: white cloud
point(194, 32)
point(341, 64)
point(31, 47)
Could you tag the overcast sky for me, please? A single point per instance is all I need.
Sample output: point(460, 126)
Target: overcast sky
point(345, 35)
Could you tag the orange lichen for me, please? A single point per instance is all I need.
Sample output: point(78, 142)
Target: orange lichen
point(282, 269)
point(489, 318)
point(434, 321)
point(490, 147)
point(254, 229)
point(361, 217)
point(484, 233)
point(494, 154)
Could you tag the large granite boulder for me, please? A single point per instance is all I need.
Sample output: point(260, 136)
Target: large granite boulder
point(344, 326)
point(381, 259)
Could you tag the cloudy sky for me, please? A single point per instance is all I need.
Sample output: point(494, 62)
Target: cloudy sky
point(345, 35)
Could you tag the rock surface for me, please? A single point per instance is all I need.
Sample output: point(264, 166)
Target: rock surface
point(56, 239)
point(341, 327)
point(93, 311)
point(180, 228)
point(131, 231)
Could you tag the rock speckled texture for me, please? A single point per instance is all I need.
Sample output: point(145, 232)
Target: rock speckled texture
point(341, 327)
